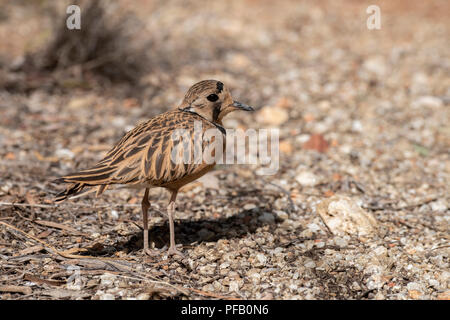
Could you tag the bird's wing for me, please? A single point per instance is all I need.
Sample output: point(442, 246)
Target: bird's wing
point(147, 154)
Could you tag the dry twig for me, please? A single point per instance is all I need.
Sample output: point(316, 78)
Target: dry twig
point(16, 289)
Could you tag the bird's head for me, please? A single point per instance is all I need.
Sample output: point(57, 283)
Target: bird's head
point(211, 100)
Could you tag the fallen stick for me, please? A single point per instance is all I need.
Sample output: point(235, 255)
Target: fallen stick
point(16, 289)
point(38, 280)
point(56, 225)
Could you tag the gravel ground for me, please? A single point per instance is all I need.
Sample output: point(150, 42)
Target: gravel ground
point(359, 208)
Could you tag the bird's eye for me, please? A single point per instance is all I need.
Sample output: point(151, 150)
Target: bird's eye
point(212, 97)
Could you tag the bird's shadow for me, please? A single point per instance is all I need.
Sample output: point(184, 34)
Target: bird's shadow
point(188, 232)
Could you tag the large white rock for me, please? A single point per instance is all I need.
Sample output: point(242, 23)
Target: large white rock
point(342, 215)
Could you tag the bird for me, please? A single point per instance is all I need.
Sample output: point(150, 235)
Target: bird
point(143, 157)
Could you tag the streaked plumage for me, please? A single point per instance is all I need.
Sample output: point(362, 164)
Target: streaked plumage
point(143, 157)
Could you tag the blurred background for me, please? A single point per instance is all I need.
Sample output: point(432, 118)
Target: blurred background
point(361, 112)
point(314, 70)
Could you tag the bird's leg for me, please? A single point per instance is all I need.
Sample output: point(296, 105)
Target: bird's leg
point(171, 212)
point(145, 207)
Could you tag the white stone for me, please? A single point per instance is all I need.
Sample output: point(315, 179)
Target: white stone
point(307, 179)
point(143, 296)
point(107, 296)
point(261, 258)
point(376, 65)
point(439, 205)
point(249, 206)
point(277, 250)
point(434, 283)
point(320, 244)
point(64, 154)
point(107, 279)
point(114, 214)
point(234, 286)
point(256, 277)
point(380, 251)
point(357, 126)
point(314, 227)
point(414, 286)
point(282, 215)
point(340, 242)
point(302, 138)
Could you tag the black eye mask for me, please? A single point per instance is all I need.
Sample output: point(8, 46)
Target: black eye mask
point(216, 112)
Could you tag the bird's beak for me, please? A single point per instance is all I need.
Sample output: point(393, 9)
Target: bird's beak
point(242, 106)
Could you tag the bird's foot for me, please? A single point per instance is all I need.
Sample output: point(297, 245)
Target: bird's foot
point(154, 252)
point(174, 251)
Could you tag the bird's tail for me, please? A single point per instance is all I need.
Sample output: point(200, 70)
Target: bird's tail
point(72, 190)
point(98, 177)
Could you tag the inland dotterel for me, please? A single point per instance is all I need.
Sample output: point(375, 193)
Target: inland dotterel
point(143, 158)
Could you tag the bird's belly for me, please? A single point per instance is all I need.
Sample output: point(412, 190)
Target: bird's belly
point(175, 185)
